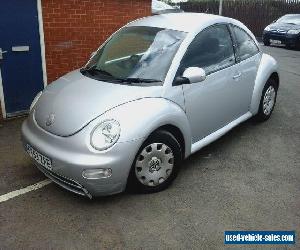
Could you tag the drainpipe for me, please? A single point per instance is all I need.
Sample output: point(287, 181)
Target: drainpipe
point(220, 7)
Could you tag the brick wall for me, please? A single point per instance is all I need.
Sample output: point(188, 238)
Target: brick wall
point(75, 28)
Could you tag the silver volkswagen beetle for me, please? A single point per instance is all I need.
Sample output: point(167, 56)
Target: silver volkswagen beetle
point(157, 91)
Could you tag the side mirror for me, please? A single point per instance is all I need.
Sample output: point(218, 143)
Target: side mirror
point(194, 74)
point(191, 75)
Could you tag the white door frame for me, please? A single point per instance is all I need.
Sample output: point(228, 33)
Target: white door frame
point(42, 40)
point(2, 97)
point(42, 46)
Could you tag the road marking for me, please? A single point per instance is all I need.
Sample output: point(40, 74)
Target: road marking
point(13, 194)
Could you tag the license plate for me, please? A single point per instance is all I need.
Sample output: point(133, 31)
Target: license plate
point(275, 41)
point(39, 158)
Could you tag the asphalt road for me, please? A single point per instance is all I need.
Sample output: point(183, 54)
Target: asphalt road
point(247, 180)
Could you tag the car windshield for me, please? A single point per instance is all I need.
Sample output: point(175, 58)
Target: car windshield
point(293, 19)
point(135, 55)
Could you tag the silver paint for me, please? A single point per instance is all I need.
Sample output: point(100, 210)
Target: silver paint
point(202, 111)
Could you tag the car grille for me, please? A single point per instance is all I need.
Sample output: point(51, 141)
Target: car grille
point(64, 182)
point(278, 31)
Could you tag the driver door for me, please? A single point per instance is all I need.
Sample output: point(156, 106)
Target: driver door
point(211, 104)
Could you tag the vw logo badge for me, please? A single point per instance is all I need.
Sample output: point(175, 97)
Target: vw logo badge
point(50, 120)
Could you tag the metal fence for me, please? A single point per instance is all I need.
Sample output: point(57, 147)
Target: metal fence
point(255, 14)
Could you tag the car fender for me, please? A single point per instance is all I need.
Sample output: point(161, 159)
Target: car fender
point(267, 67)
point(139, 118)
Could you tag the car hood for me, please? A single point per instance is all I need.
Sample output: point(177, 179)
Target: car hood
point(73, 101)
point(284, 26)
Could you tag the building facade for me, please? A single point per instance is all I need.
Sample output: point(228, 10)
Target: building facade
point(40, 40)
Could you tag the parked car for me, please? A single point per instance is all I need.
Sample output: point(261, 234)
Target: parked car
point(286, 31)
point(155, 92)
point(159, 7)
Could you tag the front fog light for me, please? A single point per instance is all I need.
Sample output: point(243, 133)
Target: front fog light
point(99, 173)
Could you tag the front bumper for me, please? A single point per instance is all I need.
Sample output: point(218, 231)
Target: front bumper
point(71, 155)
point(287, 39)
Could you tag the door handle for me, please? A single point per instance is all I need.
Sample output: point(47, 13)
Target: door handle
point(237, 76)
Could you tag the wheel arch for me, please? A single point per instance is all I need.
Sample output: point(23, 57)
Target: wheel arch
point(268, 68)
point(177, 133)
point(150, 115)
point(275, 77)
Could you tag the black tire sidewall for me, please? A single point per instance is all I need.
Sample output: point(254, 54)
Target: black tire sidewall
point(160, 136)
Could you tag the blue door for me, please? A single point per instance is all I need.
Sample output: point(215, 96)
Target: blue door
point(20, 55)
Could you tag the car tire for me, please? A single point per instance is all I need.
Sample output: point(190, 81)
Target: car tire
point(266, 43)
point(268, 100)
point(289, 46)
point(156, 164)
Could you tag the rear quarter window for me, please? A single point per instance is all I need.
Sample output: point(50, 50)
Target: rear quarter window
point(246, 46)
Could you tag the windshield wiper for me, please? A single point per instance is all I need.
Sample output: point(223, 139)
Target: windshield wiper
point(94, 69)
point(138, 80)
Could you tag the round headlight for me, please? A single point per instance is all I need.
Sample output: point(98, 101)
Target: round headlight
point(267, 28)
point(36, 98)
point(105, 134)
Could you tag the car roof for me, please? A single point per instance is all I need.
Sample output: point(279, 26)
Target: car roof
point(187, 22)
point(292, 15)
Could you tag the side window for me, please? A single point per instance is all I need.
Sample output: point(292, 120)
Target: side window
point(246, 47)
point(212, 50)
